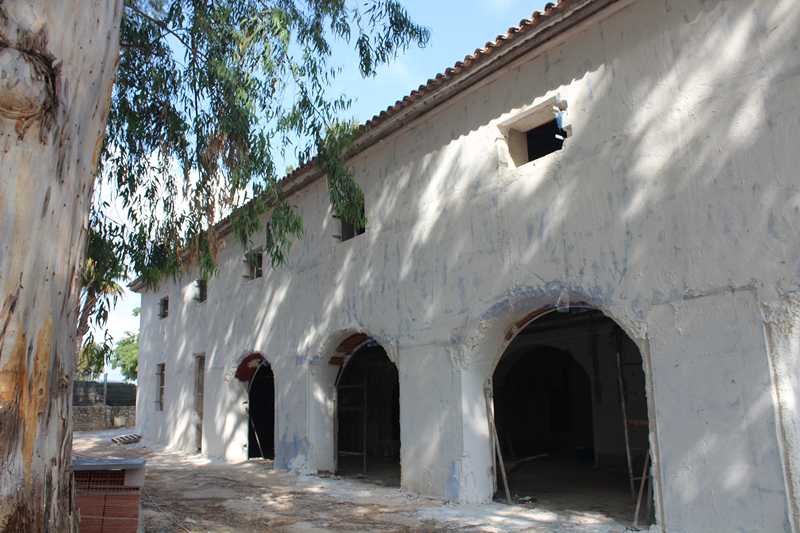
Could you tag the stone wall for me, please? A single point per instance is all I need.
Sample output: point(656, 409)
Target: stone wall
point(95, 417)
point(97, 392)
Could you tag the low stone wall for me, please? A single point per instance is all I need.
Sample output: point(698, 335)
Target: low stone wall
point(95, 417)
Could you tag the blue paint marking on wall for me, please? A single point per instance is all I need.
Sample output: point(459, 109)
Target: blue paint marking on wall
point(452, 491)
point(289, 450)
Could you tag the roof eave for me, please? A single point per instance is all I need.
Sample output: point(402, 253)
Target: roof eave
point(516, 43)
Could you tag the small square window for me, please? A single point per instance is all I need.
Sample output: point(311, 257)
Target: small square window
point(350, 230)
point(254, 260)
point(163, 307)
point(545, 139)
point(535, 132)
point(201, 290)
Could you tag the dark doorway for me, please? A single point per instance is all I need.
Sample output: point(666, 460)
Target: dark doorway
point(543, 402)
point(368, 417)
point(199, 394)
point(261, 413)
point(571, 417)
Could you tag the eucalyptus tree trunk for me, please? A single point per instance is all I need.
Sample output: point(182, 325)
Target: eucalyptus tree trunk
point(57, 65)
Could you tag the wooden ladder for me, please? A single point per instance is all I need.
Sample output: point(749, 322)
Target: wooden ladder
point(628, 424)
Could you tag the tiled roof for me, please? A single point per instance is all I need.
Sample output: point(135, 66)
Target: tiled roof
point(531, 33)
point(470, 60)
point(459, 70)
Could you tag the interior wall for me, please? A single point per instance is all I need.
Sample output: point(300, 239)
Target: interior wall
point(543, 403)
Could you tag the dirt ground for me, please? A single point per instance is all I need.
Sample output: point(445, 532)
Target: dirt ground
point(187, 493)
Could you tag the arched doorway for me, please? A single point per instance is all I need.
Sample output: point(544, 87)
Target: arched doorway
point(261, 413)
point(257, 374)
point(571, 416)
point(367, 412)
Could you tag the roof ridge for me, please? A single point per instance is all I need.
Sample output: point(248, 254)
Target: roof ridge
point(467, 63)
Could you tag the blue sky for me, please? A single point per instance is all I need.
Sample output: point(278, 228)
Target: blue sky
point(457, 28)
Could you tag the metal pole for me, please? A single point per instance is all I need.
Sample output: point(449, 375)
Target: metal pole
point(624, 408)
point(496, 445)
point(364, 418)
point(595, 396)
point(641, 490)
point(250, 410)
point(490, 387)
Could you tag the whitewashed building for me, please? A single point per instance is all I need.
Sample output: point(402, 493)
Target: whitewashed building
point(585, 235)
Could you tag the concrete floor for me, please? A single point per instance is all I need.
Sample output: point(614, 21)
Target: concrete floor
point(563, 485)
point(188, 493)
point(382, 472)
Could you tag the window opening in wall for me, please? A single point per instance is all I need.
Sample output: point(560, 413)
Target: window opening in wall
point(254, 260)
point(163, 307)
point(161, 379)
point(545, 139)
point(201, 290)
point(571, 417)
point(368, 415)
point(348, 230)
point(199, 391)
point(261, 413)
point(535, 132)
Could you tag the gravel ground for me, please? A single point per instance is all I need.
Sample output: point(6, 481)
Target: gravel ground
point(189, 493)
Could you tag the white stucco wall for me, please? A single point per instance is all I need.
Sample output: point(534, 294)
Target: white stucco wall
point(674, 208)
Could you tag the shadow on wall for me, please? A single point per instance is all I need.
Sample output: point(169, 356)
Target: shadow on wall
point(663, 123)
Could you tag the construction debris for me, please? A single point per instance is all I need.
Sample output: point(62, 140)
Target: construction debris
point(128, 438)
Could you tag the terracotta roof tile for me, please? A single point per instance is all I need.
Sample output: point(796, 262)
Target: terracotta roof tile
point(460, 67)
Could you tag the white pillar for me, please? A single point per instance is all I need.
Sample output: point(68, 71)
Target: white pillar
point(782, 330)
point(718, 462)
point(430, 422)
point(476, 475)
point(322, 414)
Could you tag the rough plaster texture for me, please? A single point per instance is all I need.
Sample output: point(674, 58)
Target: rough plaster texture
point(674, 208)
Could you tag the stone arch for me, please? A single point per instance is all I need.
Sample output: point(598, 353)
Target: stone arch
point(258, 377)
point(342, 339)
point(244, 358)
point(330, 354)
point(481, 342)
point(368, 409)
point(491, 332)
point(598, 427)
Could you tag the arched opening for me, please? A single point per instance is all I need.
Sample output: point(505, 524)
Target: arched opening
point(571, 417)
point(261, 412)
point(367, 412)
point(257, 373)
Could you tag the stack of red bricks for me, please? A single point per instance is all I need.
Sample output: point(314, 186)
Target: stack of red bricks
point(105, 504)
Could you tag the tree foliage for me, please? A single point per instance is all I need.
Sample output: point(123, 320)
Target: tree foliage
point(125, 356)
point(101, 275)
point(91, 360)
point(212, 99)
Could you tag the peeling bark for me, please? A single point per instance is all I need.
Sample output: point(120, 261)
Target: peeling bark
point(57, 65)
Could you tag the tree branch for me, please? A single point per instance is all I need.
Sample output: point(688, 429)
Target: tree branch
point(161, 24)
